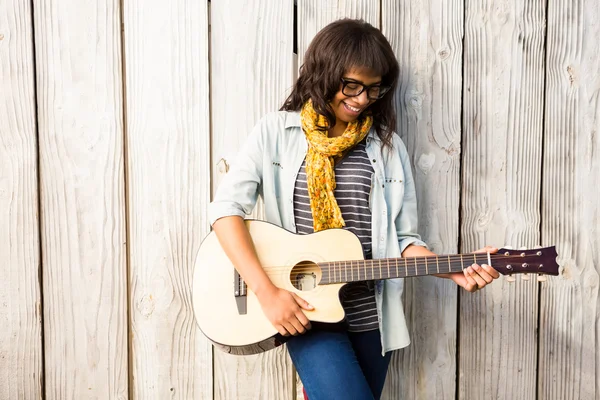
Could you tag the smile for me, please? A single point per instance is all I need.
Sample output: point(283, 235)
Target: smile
point(352, 109)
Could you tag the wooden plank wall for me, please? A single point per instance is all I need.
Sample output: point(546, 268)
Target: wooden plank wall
point(569, 365)
point(82, 202)
point(168, 187)
point(427, 39)
point(501, 164)
point(119, 119)
point(21, 360)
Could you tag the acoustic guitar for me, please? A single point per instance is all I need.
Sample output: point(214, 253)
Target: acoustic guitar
point(315, 266)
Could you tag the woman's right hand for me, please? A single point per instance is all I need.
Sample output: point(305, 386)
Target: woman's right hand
point(284, 310)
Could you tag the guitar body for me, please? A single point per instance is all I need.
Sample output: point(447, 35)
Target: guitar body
point(289, 261)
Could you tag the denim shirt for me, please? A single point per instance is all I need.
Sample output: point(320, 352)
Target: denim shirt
point(268, 165)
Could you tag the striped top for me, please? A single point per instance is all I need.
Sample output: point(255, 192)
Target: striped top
point(353, 177)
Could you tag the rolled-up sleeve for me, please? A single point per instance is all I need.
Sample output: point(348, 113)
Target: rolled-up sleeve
point(238, 191)
point(407, 221)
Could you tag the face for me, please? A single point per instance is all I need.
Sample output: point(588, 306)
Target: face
point(349, 108)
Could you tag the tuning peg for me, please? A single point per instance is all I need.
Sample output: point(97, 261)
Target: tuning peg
point(525, 277)
point(542, 278)
point(510, 279)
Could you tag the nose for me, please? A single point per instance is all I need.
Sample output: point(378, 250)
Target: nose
point(362, 98)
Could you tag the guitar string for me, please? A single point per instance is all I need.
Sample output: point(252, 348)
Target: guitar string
point(406, 265)
point(431, 262)
point(333, 269)
point(400, 270)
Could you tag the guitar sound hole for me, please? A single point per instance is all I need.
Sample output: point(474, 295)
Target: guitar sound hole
point(305, 275)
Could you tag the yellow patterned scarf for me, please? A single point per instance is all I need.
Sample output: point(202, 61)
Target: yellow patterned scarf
point(320, 159)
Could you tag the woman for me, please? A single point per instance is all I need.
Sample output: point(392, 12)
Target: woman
point(329, 159)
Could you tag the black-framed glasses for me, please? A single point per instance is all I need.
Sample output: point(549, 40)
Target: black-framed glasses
point(353, 88)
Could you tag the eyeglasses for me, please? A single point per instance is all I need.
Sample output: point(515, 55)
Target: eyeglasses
point(352, 88)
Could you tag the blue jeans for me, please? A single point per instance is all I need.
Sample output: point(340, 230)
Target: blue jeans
point(339, 364)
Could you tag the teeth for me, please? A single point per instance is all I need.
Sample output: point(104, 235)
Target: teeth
point(352, 108)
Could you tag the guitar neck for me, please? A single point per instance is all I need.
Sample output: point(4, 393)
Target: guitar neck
point(364, 270)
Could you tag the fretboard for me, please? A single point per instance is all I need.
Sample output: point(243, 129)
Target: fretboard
point(365, 270)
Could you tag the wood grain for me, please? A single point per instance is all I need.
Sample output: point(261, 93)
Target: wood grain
point(168, 187)
point(426, 38)
point(502, 122)
point(569, 365)
point(251, 74)
point(21, 366)
point(80, 101)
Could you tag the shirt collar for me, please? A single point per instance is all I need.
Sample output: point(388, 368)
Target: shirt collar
point(292, 120)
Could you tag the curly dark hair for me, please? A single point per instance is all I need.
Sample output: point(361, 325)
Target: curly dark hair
point(338, 48)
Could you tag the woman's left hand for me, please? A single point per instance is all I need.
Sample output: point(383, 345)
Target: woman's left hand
point(476, 276)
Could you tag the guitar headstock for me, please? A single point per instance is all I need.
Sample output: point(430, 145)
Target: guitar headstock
point(534, 261)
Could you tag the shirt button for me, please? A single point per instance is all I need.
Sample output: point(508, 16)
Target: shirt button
point(381, 238)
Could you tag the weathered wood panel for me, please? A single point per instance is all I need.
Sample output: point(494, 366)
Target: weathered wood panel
point(569, 366)
point(251, 74)
point(20, 298)
point(78, 64)
point(313, 15)
point(168, 188)
point(502, 122)
point(427, 39)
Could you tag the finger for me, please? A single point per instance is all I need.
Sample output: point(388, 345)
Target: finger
point(290, 328)
point(487, 249)
point(478, 279)
point(303, 320)
point(471, 285)
point(297, 326)
point(483, 273)
point(302, 303)
point(493, 273)
point(282, 331)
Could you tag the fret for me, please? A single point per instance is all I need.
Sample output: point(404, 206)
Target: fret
point(406, 266)
point(474, 258)
point(344, 265)
point(357, 271)
point(397, 266)
point(388, 267)
point(416, 271)
point(449, 264)
point(381, 270)
point(372, 272)
point(332, 272)
point(437, 262)
point(462, 262)
point(346, 274)
point(426, 269)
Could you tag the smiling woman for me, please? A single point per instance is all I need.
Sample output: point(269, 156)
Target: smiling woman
point(348, 52)
point(334, 138)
